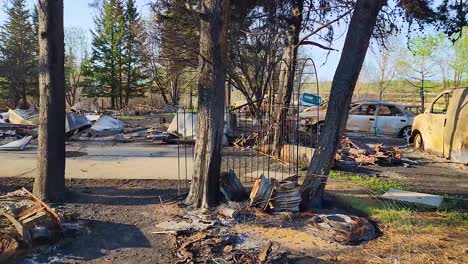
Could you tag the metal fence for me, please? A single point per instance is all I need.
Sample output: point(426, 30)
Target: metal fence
point(252, 132)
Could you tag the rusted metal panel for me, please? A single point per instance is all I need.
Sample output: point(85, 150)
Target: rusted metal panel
point(446, 134)
point(456, 130)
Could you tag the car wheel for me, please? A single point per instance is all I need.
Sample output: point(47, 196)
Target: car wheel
point(406, 132)
point(418, 141)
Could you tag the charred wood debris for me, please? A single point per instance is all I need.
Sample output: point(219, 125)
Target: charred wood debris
point(25, 222)
point(210, 236)
point(352, 152)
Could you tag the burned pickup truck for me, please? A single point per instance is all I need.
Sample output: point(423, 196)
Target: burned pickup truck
point(443, 128)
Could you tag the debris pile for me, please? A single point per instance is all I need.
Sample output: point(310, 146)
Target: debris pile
point(286, 197)
point(17, 128)
point(244, 141)
point(232, 188)
point(341, 228)
point(201, 238)
point(278, 196)
point(352, 152)
point(25, 221)
point(205, 236)
point(358, 152)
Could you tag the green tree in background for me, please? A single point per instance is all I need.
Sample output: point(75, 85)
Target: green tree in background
point(134, 56)
point(418, 68)
point(76, 51)
point(118, 53)
point(18, 55)
point(107, 51)
point(459, 64)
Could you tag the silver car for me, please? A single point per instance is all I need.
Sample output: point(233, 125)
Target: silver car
point(366, 116)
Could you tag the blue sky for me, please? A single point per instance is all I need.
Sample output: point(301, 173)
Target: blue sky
point(77, 13)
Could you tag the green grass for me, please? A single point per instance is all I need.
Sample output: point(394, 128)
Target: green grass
point(371, 183)
point(402, 215)
point(131, 117)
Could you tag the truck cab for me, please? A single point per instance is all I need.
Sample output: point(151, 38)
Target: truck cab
point(443, 127)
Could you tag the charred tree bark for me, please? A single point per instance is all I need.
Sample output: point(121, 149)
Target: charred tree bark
point(50, 180)
point(286, 76)
point(350, 64)
point(204, 190)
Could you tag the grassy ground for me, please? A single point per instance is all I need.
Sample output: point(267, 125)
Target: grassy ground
point(402, 215)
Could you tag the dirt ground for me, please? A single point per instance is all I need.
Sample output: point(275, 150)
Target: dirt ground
point(111, 221)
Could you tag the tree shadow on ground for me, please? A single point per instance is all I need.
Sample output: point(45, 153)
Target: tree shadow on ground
point(117, 196)
point(91, 240)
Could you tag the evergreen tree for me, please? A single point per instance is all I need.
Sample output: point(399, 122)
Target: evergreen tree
point(18, 55)
point(107, 46)
point(134, 51)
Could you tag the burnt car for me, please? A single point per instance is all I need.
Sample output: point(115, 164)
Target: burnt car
point(443, 128)
point(365, 116)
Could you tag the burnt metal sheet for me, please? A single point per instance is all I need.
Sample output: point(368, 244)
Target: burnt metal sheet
point(20, 144)
point(107, 126)
point(75, 121)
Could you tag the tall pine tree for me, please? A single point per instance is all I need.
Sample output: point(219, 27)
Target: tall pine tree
point(108, 45)
point(18, 55)
point(134, 51)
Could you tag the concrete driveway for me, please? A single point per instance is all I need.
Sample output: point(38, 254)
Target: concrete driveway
point(105, 160)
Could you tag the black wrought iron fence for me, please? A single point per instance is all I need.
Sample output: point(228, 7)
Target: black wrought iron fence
point(262, 137)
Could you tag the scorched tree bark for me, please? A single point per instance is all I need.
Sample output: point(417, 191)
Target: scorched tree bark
point(354, 51)
point(50, 179)
point(204, 190)
point(286, 75)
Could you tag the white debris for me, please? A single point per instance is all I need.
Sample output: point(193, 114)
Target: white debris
point(17, 145)
point(414, 197)
point(22, 117)
point(75, 121)
point(92, 117)
point(107, 126)
point(184, 125)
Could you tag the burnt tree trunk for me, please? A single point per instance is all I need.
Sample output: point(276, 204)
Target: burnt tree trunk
point(286, 76)
point(354, 51)
point(204, 189)
point(50, 180)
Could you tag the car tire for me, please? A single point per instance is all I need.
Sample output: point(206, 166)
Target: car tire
point(418, 141)
point(405, 132)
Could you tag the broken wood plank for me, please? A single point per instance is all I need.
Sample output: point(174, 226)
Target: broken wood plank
point(25, 235)
point(46, 207)
point(263, 256)
point(360, 146)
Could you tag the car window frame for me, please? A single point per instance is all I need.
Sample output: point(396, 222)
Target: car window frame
point(402, 112)
point(437, 99)
point(370, 103)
